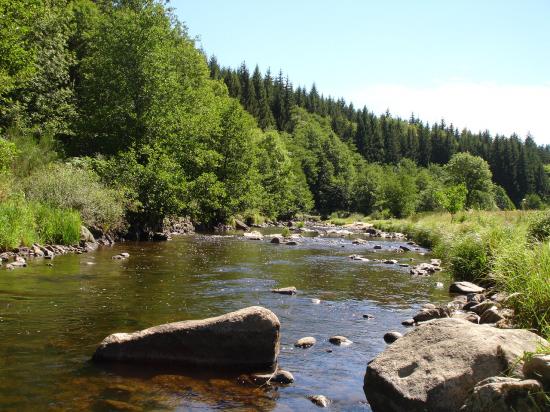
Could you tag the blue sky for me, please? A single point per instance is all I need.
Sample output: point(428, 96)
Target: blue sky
point(478, 64)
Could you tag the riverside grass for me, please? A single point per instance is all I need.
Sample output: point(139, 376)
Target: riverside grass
point(23, 223)
point(496, 249)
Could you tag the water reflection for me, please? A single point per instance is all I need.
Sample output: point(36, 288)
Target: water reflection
point(52, 318)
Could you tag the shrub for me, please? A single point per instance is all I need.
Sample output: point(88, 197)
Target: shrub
point(24, 223)
point(539, 227)
point(532, 202)
point(66, 186)
point(55, 225)
point(17, 225)
point(524, 273)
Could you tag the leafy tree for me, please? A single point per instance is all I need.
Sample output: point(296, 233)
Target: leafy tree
point(474, 173)
point(453, 198)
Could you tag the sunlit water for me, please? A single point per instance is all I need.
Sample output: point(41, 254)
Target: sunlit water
point(52, 319)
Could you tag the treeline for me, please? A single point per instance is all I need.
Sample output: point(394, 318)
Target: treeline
point(110, 114)
point(516, 165)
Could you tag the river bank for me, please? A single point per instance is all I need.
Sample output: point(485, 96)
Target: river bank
point(506, 251)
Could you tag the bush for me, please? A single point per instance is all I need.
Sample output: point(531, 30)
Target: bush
point(24, 223)
point(532, 202)
point(539, 227)
point(56, 226)
point(66, 186)
point(17, 225)
point(524, 272)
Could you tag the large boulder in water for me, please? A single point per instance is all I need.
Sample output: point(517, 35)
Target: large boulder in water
point(245, 340)
point(435, 366)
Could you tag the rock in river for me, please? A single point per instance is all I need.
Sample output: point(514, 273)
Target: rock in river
point(465, 288)
point(306, 342)
point(291, 290)
point(340, 340)
point(280, 376)
point(435, 366)
point(391, 337)
point(319, 400)
point(247, 339)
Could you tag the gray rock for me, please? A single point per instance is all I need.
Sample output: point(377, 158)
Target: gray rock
point(291, 243)
point(319, 400)
point(290, 290)
point(408, 322)
point(368, 316)
point(436, 365)
point(277, 240)
point(306, 342)
point(391, 337)
point(491, 315)
point(429, 314)
point(390, 261)
point(480, 308)
point(240, 225)
point(125, 255)
point(538, 367)
point(340, 340)
point(280, 376)
point(86, 235)
point(255, 235)
point(504, 394)
point(405, 248)
point(377, 247)
point(465, 288)
point(247, 339)
point(469, 316)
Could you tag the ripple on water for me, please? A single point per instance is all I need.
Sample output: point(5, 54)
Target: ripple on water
point(51, 320)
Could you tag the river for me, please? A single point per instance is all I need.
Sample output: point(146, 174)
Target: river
point(53, 317)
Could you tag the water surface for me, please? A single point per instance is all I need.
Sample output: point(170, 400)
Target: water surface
point(53, 317)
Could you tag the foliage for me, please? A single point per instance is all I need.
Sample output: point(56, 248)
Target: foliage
point(532, 202)
point(56, 226)
point(474, 173)
point(453, 198)
point(24, 223)
point(539, 227)
point(502, 201)
point(493, 248)
point(66, 186)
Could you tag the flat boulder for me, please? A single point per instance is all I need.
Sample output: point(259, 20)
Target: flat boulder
point(465, 288)
point(246, 340)
point(435, 366)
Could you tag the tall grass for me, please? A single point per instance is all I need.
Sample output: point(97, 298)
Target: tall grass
point(23, 223)
point(507, 250)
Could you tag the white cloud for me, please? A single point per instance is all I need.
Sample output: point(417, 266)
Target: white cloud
point(502, 109)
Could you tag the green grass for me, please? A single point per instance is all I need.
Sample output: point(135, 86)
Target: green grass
point(23, 223)
point(506, 250)
point(344, 218)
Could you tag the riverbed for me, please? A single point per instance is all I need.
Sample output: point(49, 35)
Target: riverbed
point(53, 317)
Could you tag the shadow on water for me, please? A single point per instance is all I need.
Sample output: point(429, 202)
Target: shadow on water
point(53, 318)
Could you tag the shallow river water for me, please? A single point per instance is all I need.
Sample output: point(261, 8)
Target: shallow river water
point(53, 317)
